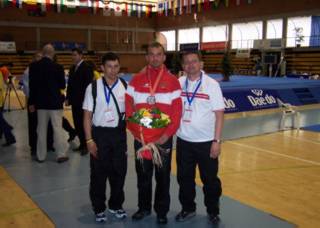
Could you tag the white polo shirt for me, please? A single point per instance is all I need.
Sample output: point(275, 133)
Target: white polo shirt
point(198, 120)
point(105, 115)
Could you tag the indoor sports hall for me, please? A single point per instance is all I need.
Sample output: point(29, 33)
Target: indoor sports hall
point(265, 55)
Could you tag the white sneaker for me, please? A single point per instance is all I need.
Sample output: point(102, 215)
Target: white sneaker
point(120, 213)
point(101, 217)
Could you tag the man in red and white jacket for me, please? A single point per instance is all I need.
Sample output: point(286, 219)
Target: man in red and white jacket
point(155, 86)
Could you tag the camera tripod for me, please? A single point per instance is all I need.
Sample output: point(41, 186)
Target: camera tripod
point(10, 87)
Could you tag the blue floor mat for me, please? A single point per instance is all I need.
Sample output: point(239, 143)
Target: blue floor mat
point(315, 128)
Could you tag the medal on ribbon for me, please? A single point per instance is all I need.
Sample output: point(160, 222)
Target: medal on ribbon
point(151, 100)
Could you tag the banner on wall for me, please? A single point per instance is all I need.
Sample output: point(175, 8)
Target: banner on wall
point(250, 100)
point(213, 46)
point(7, 47)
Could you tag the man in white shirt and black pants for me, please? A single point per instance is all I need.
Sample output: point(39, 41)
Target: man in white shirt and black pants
point(199, 138)
point(106, 139)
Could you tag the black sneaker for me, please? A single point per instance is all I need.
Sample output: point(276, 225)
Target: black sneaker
point(213, 218)
point(140, 214)
point(185, 215)
point(162, 219)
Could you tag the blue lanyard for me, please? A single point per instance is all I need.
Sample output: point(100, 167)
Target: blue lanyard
point(108, 90)
point(190, 99)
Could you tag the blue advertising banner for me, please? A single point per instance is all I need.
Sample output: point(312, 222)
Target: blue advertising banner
point(189, 47)
point(250, 100)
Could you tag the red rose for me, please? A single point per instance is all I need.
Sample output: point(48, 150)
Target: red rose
point(146, 154)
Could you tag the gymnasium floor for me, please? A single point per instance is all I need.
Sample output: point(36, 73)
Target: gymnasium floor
point(271, 180)
point(268, 181)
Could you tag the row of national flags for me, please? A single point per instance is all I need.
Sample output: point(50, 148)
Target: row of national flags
point(108, 8)
point(179, 7)
point(138, 8)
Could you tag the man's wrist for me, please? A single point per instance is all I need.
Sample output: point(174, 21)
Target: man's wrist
point(90, 140)
point(217, 141)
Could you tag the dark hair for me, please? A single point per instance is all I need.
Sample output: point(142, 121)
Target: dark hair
point(78, 50)
point(185, 53)
point(110, 56)
point(155, 44)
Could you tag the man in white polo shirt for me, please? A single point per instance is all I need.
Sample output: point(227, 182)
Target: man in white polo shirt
point(106, 138)
point(199, 138)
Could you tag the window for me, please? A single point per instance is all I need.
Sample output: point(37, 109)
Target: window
point(187, 36)
point(171, 39)
point(298, 31)
point(274, 29)
point(215, 33)
point(243, 34)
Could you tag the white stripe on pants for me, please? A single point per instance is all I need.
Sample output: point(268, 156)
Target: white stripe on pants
point(59, 142)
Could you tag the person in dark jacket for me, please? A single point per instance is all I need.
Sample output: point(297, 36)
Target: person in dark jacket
point(46, 81)
point(80, 76)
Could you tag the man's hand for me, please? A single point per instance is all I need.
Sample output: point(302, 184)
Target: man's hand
point(162, 140)
point(32, 108)
point(92, 148)
point(215, 150)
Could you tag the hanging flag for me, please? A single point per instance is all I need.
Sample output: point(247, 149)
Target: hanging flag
point(180, 7)
point(134, 10)
point(4, 3)
point(206, 5)
point(226, 3)
point(238, 2)
point(143, 10)
point(169, 4)
point(60, 5)
point(139, 9)
point(174, 7)
point(95, 6)
point(107, 9)
point(160, 8)
point(216, 4)
point(71, 6)
point(189, 6)
point(84, 6)
point(17, 3)
point(45, 5)
point(148, 10)
point(32, 5)
point(125, 9)
point(117, 10)
point(249, 1)
point(166, 8)
point(199, 6)
point(34, 8)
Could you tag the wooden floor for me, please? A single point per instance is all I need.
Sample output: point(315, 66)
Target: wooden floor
point(278, 173)
point(17, 209)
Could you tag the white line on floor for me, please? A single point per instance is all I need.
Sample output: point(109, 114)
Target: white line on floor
point(275, 153)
